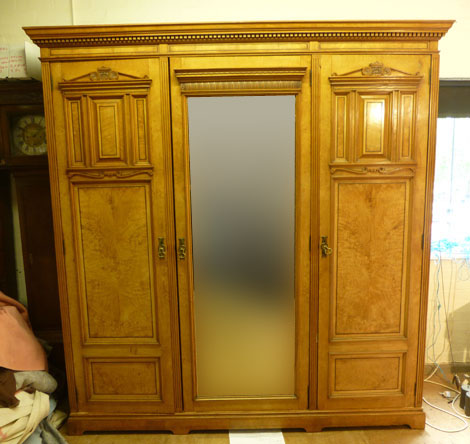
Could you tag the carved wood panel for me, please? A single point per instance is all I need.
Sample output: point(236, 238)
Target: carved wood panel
point(371, 217)
point(380, 105)
point(107, 119)
point(114, 242)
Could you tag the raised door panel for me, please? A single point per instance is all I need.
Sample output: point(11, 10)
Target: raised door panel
point(112, 162)
point(372, 212)
point(114, 239)
point(108, 129)
point(371, 218)
point(242, 205)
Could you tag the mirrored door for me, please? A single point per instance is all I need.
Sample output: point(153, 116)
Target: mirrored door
point(242, 231)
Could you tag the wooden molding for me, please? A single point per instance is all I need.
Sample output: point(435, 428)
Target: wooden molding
point(383, 170)
point(73, 86)
point(369, 80)
point(93, 173)
point(280, 80)
point(112, 35)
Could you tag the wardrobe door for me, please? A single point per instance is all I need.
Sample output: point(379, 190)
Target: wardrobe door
point(372, 215)
point(241, 145)
point(110, 158)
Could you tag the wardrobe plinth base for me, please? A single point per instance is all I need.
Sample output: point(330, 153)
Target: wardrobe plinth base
point(184, 423)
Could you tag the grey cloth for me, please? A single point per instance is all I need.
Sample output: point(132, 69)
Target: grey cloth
point(38, 380)
point(46, 433)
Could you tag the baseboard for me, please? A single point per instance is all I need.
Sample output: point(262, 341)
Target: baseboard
point(449, 368)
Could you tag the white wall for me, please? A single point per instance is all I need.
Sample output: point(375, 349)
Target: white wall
point(455, 62)
point(449, 290)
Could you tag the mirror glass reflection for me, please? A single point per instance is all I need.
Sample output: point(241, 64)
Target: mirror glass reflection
point(242, 168)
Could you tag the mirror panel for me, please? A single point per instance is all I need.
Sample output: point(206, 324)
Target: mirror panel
point(242, 168)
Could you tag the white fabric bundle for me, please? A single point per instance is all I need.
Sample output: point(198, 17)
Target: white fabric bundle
point(16, 424)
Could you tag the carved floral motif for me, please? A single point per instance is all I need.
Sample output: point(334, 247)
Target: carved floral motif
point(376, 69)
point(103, 73)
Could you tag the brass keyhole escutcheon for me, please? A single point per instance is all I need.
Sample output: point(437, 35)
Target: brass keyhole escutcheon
point(325, 249)
point(161, 248)
point(181, 248)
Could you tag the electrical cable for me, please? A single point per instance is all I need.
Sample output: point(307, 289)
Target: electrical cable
point(455, 410)
point(442, 385)
point(436, 312)
point(432, 374)
point(449, 413)
point(445, 307)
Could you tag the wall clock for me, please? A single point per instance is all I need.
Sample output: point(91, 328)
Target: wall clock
point(29, 135)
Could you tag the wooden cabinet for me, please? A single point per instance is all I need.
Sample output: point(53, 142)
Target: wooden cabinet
point(253, 270)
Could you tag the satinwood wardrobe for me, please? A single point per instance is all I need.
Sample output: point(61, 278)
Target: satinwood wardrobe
point(242, 220)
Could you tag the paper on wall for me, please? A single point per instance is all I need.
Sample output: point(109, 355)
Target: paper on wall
point(4, 61)
point(17, 65)
point(12, 62)
point(33, 64)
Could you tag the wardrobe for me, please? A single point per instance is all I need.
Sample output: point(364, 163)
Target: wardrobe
point(242, 221)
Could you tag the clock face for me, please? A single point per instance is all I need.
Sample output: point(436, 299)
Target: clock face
point(29, 135)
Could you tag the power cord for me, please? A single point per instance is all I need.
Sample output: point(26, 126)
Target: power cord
point(458, 416)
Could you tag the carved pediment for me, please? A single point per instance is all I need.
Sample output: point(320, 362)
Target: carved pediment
point(376, 73)
point(375, 69)
point(104, 73)
point(105, 78)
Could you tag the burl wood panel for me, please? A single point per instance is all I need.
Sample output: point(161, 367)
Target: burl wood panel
point(371, 225)
point(367, 373)
point(116, 241)
point(125, 378)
